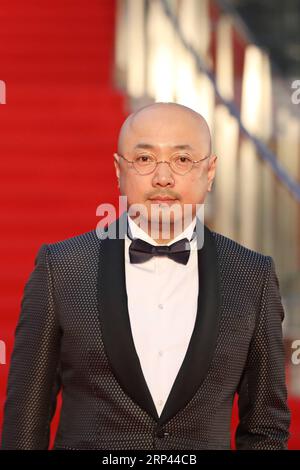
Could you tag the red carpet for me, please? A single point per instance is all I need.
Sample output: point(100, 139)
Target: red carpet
point(58, 132)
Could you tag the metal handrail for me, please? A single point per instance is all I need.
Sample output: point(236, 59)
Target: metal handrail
point(285, 178)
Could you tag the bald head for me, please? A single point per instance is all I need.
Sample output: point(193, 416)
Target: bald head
point(166, 124)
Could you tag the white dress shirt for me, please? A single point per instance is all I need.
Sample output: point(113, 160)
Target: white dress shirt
point(162, 303)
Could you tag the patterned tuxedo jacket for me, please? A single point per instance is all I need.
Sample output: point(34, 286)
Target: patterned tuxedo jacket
point(74, 334)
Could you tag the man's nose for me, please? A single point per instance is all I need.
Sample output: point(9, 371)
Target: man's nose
point(163, 174)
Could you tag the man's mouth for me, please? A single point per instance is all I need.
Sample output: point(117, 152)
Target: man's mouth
point(162, 199)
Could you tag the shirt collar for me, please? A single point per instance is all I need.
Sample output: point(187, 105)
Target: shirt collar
point(137, 232)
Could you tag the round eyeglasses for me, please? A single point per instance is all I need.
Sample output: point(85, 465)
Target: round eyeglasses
point(145, 164)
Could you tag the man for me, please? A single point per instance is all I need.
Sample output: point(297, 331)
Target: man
point(150, 337)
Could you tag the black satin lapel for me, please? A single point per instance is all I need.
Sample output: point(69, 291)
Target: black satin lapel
point(203, 340)
point(115, 322)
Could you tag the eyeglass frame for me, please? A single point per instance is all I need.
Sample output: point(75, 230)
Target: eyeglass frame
point(163, 161)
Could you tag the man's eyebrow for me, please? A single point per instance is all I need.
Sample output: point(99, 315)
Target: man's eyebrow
point(144, 145)
point(183, 147)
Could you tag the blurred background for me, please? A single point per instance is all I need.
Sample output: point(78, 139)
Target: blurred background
point(70, 73)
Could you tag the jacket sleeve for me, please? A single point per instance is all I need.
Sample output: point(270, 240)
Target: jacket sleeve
point(34, 378)
point(263, 411)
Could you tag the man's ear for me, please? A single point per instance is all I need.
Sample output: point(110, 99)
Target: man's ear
point(211, 171)
point(117, 166)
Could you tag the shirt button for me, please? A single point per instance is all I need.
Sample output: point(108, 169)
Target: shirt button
point(160, 432)
point(160, 403)
point(160, 353)
point(160, 306)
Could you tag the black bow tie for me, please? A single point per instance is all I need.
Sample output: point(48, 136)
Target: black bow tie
point(140, 251)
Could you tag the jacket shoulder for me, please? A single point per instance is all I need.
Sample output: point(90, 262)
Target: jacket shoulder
point(236, 255)
point(83, 245)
